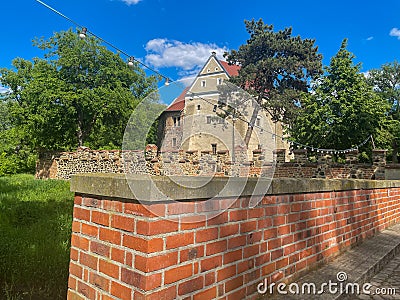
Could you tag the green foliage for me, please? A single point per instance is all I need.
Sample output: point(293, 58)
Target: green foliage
point(386, 83)
point(15, 156)
point(80, 94)
point(35, 233)
point(342, 110)
point(275, 67)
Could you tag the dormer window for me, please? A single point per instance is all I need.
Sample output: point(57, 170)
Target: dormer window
point(203, 83)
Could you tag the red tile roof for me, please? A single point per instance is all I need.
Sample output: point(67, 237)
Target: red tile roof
point(179, 103)
point(232, 70)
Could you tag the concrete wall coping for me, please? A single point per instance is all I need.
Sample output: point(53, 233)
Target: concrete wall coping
point(160, 188)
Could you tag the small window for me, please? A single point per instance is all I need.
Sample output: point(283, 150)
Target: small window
point(208, 70)
point(219, 81)
point(216, 69)
point(203, 83)
point(208, 119)
point(258, 121)
point(214, 108)
point(174, 142)
point(177, 121)
point(259, 146)
point(214, 148)
point(198, 107)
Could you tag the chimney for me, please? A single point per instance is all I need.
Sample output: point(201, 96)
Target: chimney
point(214, 53)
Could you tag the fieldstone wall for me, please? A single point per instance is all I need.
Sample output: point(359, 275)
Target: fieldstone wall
point(204, 163)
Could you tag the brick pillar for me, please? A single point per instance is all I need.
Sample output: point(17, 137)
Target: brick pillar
point(379, 163)
point(352, 157)
point(279, 156)
point(300, 156)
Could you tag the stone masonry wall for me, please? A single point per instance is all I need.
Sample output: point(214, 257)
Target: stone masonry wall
point(121, 250)
point(204, 163)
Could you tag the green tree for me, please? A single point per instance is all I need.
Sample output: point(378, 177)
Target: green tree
point(275, 68)
point(342, 109)
point(386, 83)
point(79, 94)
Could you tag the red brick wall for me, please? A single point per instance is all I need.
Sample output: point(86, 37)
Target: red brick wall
point(122, 251)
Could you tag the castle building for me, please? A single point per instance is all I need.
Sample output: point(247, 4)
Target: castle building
point(213, 115)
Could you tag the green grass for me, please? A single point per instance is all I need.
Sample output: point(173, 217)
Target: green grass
point(35, 231)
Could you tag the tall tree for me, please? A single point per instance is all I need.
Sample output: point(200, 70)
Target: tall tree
point(275, 68)
point(79, 94)
point(386, 82)
point(342, 110)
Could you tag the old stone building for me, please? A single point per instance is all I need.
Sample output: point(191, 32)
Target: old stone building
point(212, 115)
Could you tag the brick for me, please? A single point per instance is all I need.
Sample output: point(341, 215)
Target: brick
point(121, 291)
point(75, 269)
point(79, 242)
point(207, 206)
point(112, 205)
point(88, 260)
point(99, 281)
point(111, 236)
point(191, 253)
point(178, 273)
point(204, 235)
point(143, 245)
point(236, 242)
point(221, 218)
point(109, 268)
point(76, 226)
point(140, 281)
point(274, 243)
point(179, 240)
point(190, 286)
point(90, 230)
point(81, 214)
point(248, 226)
point(210, 263)
point(118, 255)
point(86, 290)
point(156, 227)
point(206, 294)
point(226, 272)
point(91, 202)
point(237, 215)
point(233, 284)
point(192, 222)
point(178, 208)
point(256, 213)
point(216, 247)
point(228, 230)
point(78, 200)
point(149, 264)
point(101, 218)
point(233, 256)
point(123, 223)
point(250, 251)
point(99, 248)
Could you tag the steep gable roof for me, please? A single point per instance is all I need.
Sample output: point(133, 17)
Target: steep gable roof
point(232, 70)
point(179, 103)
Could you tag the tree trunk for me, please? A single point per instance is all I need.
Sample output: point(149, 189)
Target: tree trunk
point(395, 152)
point(251, 125)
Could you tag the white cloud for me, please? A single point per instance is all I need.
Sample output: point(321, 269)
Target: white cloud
point(370, 38)
point(188, 57)
point(4, 90)
point(395, 32)
point(130, 2)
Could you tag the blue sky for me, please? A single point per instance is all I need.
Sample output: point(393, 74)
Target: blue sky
point(176, 37)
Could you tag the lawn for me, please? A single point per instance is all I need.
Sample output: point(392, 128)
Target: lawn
point(35, 231)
